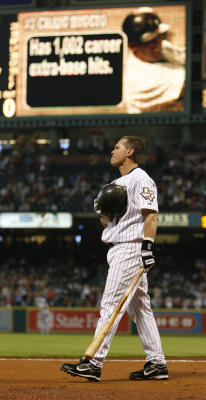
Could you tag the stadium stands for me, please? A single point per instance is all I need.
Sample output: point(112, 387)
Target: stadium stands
point(43, 178)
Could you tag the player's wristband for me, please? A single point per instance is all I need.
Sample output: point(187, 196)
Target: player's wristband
point(148, 244)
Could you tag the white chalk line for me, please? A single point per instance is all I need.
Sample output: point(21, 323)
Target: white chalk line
point(110, 360)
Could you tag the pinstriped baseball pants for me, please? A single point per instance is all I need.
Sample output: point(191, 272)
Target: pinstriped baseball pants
point(124, 262)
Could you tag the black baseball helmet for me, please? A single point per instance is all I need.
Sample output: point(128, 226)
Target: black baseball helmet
point(143, 26)
point(112, 200)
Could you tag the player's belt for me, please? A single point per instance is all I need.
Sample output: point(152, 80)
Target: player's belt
point(114, 244)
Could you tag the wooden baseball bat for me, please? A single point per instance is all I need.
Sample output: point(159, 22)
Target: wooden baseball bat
point(98, 339)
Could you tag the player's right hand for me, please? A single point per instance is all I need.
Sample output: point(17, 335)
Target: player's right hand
point(104, 219)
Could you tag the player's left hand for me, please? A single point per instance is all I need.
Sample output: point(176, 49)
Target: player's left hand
point(147, 254)
point(148, 260)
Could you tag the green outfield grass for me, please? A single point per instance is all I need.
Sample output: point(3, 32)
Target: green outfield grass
point(69, 345)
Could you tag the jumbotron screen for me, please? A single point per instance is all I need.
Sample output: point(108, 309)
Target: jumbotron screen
point(126, 60)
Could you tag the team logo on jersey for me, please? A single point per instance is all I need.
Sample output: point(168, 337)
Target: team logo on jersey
point(148, 194)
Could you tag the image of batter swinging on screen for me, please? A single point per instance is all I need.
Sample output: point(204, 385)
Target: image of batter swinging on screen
point(131, 245)
point(155, 67)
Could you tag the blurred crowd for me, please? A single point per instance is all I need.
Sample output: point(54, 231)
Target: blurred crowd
point(181, 177)
point(62, 277)
point(76, 278)
point(178, 283)
point(50, 178)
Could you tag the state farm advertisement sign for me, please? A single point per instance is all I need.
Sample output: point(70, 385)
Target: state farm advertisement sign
point(64, 320)
point(187, 322)
point(204, 322)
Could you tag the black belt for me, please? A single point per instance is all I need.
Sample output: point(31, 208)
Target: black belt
point(114, 244)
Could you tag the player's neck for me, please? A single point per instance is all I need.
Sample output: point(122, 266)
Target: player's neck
point(127, 167)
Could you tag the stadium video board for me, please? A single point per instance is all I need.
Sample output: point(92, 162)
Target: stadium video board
point(114, 60)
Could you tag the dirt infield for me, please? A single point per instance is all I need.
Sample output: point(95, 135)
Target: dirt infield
point(42, 380)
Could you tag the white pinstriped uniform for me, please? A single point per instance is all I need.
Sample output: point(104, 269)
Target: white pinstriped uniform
point(124, 261)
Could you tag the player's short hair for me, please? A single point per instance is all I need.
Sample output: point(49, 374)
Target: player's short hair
point(138, 145)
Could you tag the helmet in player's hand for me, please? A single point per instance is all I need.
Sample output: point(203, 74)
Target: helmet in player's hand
point(112, 200)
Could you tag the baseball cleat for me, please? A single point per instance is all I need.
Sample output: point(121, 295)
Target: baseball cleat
point(150, 371)
point(84, 368)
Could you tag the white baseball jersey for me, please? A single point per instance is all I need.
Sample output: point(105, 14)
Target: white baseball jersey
point(142, 194)
point(149, 85)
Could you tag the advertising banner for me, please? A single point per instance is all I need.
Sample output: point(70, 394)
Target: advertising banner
point(79, 320)
point(35, 220)
point(5, 320)
point(204, 322)
point(179, 322)
point(180, 220)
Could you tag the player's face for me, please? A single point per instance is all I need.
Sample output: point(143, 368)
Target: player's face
point(150, 52)
point(119, 154)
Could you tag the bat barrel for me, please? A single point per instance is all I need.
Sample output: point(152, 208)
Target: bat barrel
point(104, 330)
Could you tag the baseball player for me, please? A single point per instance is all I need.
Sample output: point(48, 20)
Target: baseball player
point(131, 240)
point(155, 71)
